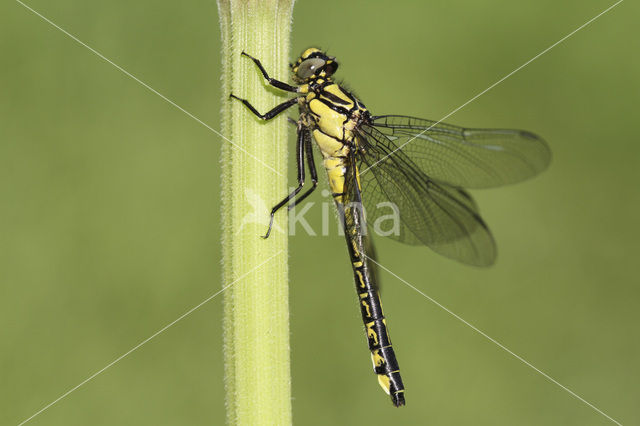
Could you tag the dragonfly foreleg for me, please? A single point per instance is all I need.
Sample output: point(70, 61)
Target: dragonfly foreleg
point(269, 114)
point(272, 81)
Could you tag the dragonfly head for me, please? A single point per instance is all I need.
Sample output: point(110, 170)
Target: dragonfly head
point(313, 64)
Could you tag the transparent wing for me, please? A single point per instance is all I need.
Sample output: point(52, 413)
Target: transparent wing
point(402, 202)
point(468, 158)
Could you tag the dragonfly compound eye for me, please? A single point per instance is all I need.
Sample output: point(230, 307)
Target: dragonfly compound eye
point(308, 67)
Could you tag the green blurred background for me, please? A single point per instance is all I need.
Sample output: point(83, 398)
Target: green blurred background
point(109, 218)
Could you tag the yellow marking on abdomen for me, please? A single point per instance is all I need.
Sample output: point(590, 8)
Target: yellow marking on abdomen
point(366, 307)
point(354, 246)
point(336, 181)
point(361, 279)
point(377, 359)
point(371, 332)
point(384, 383)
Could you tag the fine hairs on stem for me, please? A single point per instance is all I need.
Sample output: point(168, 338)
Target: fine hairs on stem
point(256, 312)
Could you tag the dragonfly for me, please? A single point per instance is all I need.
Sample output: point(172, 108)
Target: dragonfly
point(422, 167)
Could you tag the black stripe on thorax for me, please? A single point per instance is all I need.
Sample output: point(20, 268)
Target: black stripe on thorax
point(337, 108)
point(334, 98)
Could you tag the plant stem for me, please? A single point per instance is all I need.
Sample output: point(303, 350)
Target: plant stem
point(256, 312)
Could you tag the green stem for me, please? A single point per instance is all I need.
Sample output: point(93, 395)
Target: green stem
point(256, 312)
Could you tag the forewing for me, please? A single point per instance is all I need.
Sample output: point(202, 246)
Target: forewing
point(467, 158)
point(443, 217)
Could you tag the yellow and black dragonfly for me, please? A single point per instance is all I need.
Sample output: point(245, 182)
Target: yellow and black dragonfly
point(419, 166)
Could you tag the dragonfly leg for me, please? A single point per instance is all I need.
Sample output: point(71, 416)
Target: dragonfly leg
point(272, 81)
point(300, 164)
point(312, 172)
point(271, 113)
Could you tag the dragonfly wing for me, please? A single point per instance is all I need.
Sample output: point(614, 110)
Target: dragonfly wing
point(468, 158)
point(442, 217)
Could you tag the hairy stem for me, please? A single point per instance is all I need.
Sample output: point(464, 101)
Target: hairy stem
point(254, 177)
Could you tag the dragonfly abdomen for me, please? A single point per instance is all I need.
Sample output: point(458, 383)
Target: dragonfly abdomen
point(383, 357)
